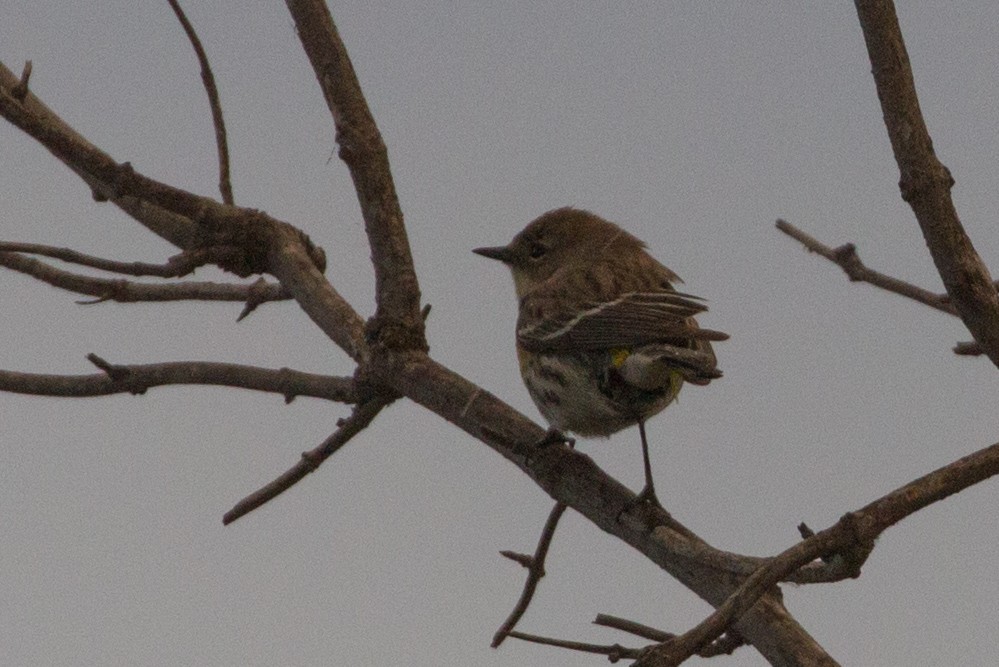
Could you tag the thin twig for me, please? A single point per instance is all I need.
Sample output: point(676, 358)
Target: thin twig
point(678, 649)
point(126, 291)
point(363, 414)
point(20, 91)
point(637, 629)
point(535, 570)
point(137, 378)
point(614, 652)
point(176, 267)
point(724, 645)
point(845, 256)
point(969, 349)
point(222, 144)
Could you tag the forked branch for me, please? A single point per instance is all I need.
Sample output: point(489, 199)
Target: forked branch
point(853, 535)
point(924, 181)
point(846, 257)
point(535, 570)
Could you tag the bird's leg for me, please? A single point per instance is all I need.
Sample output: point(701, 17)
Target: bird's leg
point(648, 493)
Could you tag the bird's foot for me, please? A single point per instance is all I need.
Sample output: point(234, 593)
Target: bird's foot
point(646, 495)
point(555, 437)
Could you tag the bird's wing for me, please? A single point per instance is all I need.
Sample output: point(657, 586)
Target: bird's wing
point(633, 319)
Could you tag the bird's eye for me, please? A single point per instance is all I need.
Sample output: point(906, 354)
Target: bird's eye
point(537, 251)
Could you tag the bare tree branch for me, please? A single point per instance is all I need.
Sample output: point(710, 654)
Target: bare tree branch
point(572, 478)
point(137, 378)
point(122, 179)
point(290, 263)
point(638, 629)
point(255, 233)
point(267, 244)
point(176, 267)
point(614, 652)
point(117, 289)
point(397, 318)
point(178, 230)
point(403, 365)
point(854, 534)
point(391, 349)
point(724, 645)
point(535, 570)
point(845, 256)
point(221, 142)
point(363, 415)
point(925, 183)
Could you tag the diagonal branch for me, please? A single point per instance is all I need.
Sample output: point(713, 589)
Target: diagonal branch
point(924, 181)
point(121, 179)
point(208, 79)
point(177, 229)
point(401, 363)
point(292, 265)
point(854, 533)
point(255, 233)
point(845, 256)
point(724, 645)
point(572, 478)
point(363, 415)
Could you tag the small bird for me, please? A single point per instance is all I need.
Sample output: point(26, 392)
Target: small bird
point(604, 340)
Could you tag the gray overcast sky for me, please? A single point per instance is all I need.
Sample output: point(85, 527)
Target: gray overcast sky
point(694, 125)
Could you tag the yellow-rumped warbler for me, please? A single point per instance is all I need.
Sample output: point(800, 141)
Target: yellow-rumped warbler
point(603, 339)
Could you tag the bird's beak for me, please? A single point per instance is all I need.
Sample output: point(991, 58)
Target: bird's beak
point(502, 253)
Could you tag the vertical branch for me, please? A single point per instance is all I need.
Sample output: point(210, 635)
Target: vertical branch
point(364, 152)
point(221, 142)
point(925, 182)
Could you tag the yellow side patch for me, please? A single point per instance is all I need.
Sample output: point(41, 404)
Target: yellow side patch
point(618, 356)
point(675, 382)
